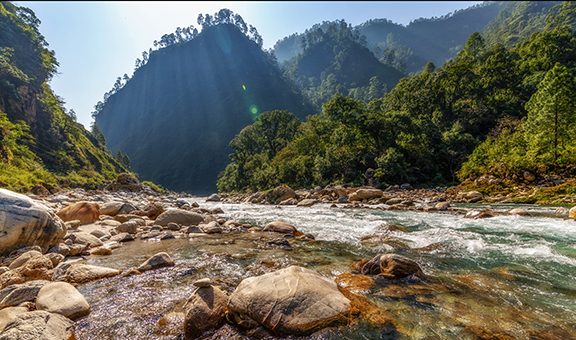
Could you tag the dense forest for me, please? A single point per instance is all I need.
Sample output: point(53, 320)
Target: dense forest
point(497, 111)
point(41, 144)
point(175, 117)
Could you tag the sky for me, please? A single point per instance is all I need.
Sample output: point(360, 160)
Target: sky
point(96, 42)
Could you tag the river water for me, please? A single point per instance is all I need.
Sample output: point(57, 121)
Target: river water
point(501, 277)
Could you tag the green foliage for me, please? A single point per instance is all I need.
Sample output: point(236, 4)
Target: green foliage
point(154, 186)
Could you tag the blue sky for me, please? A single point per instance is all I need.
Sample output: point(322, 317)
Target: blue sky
point(96, 42)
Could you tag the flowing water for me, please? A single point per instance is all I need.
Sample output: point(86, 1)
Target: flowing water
point(501, 277)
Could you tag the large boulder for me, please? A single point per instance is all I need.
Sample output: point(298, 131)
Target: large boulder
point(157, 261)
point(182, 217)
point(39, 325)
point(125, 182)
point(205, 310)
point(572, 213)
point(292, 300)
point(62, 298)
point(16, 294)
point(24, 222)
point(392, 266)
point(77, 273)
point(365, 194)
point(280, 194)
point(7, 315)
point(213, 198)
point(85, 212)
point(281, 227)
point(23, 258)
point(115, 208)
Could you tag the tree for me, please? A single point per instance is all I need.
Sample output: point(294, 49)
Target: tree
point(551, 121)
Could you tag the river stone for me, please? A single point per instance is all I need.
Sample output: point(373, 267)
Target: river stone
point(8, 315)
point(130, 227)
point(442, 205)
point(122, 237)
point(392, 266)
point(102, 251)
point(519, 211)
point(280, 194)
point(157, 261)
point(213, 198)
point(473, 196)
point(55, 258)
point(179, 216)
point(111, 208)
point(85, 238)
point(280, 227)
point(202, 283)
point(37, 268)
point(365, 194)
point(572, 213)
point(76, 273)
point(307, 202)
point(477, 214)
point(205, 310)
point(62, 298)
point(85, 212)
point(16, 294)
point(39, 325)
point(212, 228)
point(292, 300)
point(24, 222)
point(22, 259)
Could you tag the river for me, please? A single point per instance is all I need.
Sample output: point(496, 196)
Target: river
point(506, 276)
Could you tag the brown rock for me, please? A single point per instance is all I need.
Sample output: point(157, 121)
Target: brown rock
point(205, 310)
point(85, 212)
point(392, 266)
point(281, 227)
point(39, 325)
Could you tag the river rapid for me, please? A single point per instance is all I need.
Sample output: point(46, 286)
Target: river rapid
point(503, 277)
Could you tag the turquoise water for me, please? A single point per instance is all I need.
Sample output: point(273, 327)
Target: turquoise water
point(507, 276)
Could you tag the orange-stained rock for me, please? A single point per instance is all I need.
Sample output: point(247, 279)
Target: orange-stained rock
point(356, 283)
point(85, 212)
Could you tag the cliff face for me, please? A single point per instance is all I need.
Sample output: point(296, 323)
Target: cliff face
point(176, 116)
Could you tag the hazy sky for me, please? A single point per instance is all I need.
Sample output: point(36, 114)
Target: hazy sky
point(96, 42)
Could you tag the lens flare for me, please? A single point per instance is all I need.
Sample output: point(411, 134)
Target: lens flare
point(254, 109)
point(243, 87)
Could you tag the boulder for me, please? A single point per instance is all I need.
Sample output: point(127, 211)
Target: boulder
point(125, 182)
point(213, 198)
point(473, 196)
point(572, 213)
point(62, 249)
point(392, 266)
point(85, 239)
point(62, 298)
point(85, 212)
point(8, 315)
point(152, 210)
point(442, 205)
point(394, 201)
point(307, 202)
point(55, 258)
point(39, 325)
point(477, 214)
point(280, 194)
point(16, 294)
point(130, 227)
point(157, 261)
point(102, 251)
point(179, 216)
point(519, 212)
point(292, 300)
point(365, 194)
point(77, 273)
point(205, 310)
point(115, 208)
point(22, 259)
point(122, 237)
point(212, 228)
point(36, 268)
point(289, 201)
point(281, 227)
point(24, 222)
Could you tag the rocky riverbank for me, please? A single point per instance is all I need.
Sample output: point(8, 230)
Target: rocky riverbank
point(48, 242)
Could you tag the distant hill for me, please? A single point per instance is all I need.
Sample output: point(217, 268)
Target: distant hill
point(176, 116)
point(40, 142)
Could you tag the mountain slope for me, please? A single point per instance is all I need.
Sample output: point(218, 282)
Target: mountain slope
point(176, 116)
point(40, 143)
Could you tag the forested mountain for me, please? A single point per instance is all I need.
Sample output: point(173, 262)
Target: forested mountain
point(40, 142)
point(334, 59)
point(176, 116)
point(511, 108)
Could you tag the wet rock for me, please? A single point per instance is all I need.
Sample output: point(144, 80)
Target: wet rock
point(205, 310)
point(572, 213)
point(27, 223)
point(293, 300)
point(76, 273)
point(473, 196)
point(179, 216)
point(365, 194)
point(442, 206)
point(39, 325)
point(281, 227)
point(22, 259)
point(202, 283)
point(392, 266)
point(7, 315)
point(101, 251)
point(122, 237)
point(280, 194)
point(519, 211)
point(170, 325)
point(130, 227)
point(213, 198)
point(280, 243)
point(308, 202)
point(477, 214)
point(16, 294)
point(62, 298)
point(85, 239)
point(356, 283)
point(157, 261)
point(85, 212)
point(212, 228)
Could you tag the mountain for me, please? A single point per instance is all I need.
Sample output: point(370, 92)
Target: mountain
point(40, 142)
point(334, 59)
point(178, 113)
